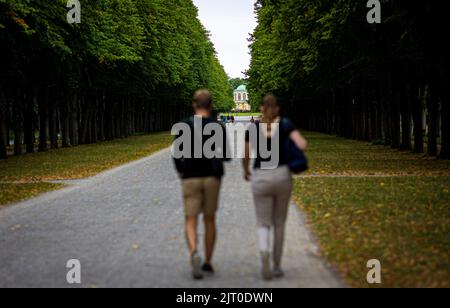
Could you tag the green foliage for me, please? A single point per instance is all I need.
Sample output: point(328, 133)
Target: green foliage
point(304, 48)
point(291, 40)
point(114, 30)
point(222, 92)
point(150, 48)
point(236, 82)
point(336, 73)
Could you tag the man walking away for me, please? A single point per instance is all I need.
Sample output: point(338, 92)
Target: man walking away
point(201, 182)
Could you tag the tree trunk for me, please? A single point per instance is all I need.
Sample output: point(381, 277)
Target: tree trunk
point(119, 119)
point(18, 125)
point(367, 126)
point(433, 103)
point(395, 121)
point(333, 128)
point(6, 107)
point(417, 104)
point(405, 99)
point(109, 115)
point(405, 113)
point(147, 119)
point(445, 118)
point(152, 117)
point(73, 120)
point(3, 134)
point(29, 122)
point(406, 144)
point(101, 119)
point(84, 126)
point(379, 120)
point(65, 123)
point(385, 113)
point(158, 117)
point(94, 130)
point(88, 139)
point(53, 122)
point(8, 128)
point(43, 118)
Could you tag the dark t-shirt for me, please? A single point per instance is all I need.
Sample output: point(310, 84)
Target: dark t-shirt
point(201, 167)
point(286, 127)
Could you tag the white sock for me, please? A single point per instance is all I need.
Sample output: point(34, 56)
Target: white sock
point(264, 239)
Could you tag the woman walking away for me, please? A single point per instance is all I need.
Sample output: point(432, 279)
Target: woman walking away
point(271, 188)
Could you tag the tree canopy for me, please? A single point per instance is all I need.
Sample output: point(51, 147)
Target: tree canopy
point(236, 82)
point(339, 74)
point(128, 67)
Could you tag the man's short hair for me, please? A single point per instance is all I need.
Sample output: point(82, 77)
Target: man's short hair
point(203, 99)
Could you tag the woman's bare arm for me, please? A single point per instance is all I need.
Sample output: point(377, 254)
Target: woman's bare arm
point(299, 140)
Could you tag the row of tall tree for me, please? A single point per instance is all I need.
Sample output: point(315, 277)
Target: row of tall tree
point(337, 73)
point(129, 67)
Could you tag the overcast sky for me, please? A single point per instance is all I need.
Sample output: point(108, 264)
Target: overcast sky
point(230, 22)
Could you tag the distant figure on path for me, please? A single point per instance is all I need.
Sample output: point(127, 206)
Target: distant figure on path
point(201, 181)
point(272, 189)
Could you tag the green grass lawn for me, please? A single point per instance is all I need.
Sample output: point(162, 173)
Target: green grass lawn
point(26, 176)
point(244, 114)
point(331, 155)
point(15, 192)
point(396, 210)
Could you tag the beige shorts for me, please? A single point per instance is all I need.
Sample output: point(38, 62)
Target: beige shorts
point(201, 195)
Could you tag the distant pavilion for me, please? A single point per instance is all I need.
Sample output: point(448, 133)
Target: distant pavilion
point(241, 99)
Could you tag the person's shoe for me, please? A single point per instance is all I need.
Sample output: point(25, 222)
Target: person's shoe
point(266, 270)
point(278, 272)
point(196, 263)
point(208, 269)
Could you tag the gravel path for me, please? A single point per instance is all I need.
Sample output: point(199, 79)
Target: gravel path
point(126, 228)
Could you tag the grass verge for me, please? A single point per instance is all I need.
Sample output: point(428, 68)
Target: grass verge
point(26, 176)
point(243, 114)
point(338, 156)
point(10, 193)
point(401, 218)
